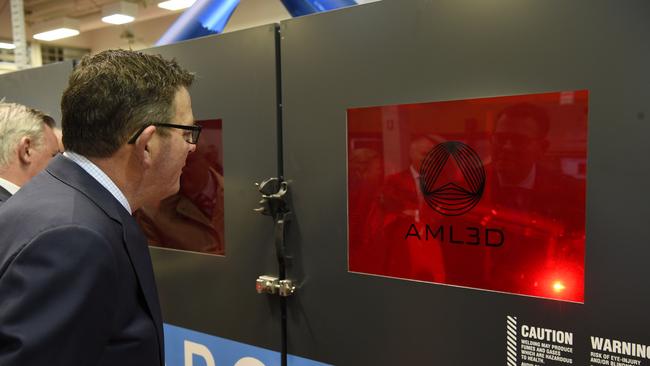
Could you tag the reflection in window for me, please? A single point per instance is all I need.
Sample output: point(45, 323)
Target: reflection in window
point(192, 219)
point(486, 193)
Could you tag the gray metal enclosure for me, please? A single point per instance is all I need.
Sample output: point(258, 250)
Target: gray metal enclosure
point(39, 88)
point(410, 51)
point(398, 52)
point(235, 81)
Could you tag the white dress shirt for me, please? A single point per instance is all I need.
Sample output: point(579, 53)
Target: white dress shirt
point(10, 187)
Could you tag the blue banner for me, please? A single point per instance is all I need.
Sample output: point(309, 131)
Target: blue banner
point(184, 347)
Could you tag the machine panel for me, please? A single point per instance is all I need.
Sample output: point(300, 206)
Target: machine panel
point(39, 88)
point(408, 52)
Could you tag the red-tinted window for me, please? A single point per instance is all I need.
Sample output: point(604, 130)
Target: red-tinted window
point(486, 193)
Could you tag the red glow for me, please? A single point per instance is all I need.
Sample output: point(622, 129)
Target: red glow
point(526, 233)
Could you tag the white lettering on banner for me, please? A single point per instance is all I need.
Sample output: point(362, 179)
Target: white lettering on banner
point(249, 361)
point(192, 349)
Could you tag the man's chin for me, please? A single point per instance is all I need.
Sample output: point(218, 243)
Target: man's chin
point(174, 190)
point(160, 196)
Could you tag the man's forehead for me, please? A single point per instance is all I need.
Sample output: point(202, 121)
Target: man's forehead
point(183, 107)
point(520, 126)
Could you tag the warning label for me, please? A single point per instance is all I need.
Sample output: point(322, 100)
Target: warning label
point(613, 352)
point(534, 345)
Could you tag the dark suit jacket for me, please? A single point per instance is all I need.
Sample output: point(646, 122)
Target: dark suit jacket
point(4, 195)
point(76, 281)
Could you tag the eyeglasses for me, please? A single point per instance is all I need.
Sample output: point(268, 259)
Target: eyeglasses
point(516, 140)
point(191, 134)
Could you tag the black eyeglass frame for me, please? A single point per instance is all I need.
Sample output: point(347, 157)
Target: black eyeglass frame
point(196, 131)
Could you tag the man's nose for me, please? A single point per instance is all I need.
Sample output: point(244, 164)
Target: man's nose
point(192, 148)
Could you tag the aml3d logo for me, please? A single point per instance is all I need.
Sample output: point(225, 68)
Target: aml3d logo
point(448, 196)
point(452, 187)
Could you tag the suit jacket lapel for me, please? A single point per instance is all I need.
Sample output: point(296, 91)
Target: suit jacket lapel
point(136, 245)
point(4, 194)
point(135, 242)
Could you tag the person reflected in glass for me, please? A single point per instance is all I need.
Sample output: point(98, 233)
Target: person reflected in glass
point(534, 200)
point(192, 219)
point(399, 206)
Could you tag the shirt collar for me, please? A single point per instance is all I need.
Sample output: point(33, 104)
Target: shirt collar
point(100, 177)
point(9, 186)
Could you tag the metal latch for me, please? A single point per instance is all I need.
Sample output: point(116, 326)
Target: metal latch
point(273, 285)
point(274, 203)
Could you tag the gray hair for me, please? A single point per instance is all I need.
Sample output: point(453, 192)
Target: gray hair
point(16, 122)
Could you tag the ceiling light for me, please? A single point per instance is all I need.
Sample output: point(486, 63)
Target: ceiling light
point(118, 19)
point(121, 12)
point(176, 4)
point(55, 34)
point(56, 29)
point(7, 46)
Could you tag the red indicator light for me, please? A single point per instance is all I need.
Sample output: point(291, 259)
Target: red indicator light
point(558, 286)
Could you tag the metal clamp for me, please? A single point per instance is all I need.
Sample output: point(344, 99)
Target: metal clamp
point(273, 200)
point(274, 204)
point(274, 286)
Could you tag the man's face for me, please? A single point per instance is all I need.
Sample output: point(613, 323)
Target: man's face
point(42, 154)
point(517, 147)
point(169, 162)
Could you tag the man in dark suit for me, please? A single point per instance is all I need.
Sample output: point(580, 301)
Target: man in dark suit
point(400, 205)
point(76, 280)
point(27, 143)
point(540, 207)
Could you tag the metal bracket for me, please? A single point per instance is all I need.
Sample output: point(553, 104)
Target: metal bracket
point(273, 203)
point(274, 286)
point(273, 200)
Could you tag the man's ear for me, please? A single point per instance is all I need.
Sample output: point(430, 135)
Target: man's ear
point(143, 146)
point(25, 150)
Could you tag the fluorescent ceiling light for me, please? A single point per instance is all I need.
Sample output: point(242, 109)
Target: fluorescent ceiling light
point(118, 19)
point(55, 34)
point(56, 29)
point(7, 46)
point(121, 12)
point(176, 4)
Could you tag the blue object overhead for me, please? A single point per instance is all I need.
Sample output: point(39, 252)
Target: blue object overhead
point(304, 7)
point(205, 17)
